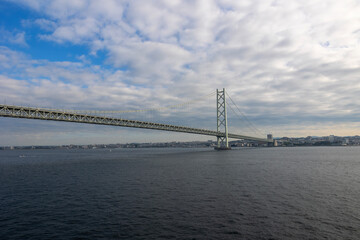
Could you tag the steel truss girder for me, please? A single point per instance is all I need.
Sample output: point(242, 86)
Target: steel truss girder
point(41, 114)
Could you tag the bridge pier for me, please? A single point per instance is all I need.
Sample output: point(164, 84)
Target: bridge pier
point(222, 148)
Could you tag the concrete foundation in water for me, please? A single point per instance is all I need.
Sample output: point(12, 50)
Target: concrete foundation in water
point(222, 148)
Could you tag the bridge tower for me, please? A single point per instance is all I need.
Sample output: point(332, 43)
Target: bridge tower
point(222, 141)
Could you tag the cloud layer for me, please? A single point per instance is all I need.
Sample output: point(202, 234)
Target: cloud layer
point(288, 65)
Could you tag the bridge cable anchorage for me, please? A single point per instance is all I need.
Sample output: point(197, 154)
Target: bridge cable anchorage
point(249, 123)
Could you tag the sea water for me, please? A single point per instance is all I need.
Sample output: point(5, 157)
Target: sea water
point(174, 193)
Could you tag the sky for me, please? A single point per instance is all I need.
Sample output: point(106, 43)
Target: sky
point(292, 67)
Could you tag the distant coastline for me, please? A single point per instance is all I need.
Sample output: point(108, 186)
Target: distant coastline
point(278, 142)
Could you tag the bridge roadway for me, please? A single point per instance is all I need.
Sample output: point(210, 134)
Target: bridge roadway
point(53, 115)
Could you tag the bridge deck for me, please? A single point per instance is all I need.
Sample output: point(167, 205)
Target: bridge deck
point(44, 114)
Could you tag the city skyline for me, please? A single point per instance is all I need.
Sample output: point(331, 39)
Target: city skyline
point(291, 66)
point(278, 142)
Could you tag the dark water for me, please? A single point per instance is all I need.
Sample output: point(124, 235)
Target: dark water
point(265, 193)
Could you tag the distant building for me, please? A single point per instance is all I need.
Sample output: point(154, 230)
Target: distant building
point(308, 139)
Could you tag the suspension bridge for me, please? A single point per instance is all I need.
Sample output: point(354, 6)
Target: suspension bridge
point(222, 134)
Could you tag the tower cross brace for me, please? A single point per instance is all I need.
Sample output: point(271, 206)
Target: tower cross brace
point(222, 141)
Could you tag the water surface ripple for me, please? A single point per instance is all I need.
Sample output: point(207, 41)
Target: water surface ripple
point(260, 193)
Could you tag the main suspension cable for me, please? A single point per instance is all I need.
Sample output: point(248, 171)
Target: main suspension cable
point(134, 111)
point(250, 124)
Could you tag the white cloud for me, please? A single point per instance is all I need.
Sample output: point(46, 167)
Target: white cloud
point(13, 37)
point(44, 24)
point(285, 60)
